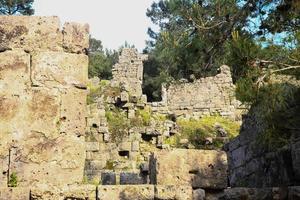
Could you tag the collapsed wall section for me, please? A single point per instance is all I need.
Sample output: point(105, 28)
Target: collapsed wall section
point(205, 96)
point(43, 76)
point(128, 72)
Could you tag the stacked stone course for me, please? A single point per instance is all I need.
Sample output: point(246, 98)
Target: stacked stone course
point(43, 76)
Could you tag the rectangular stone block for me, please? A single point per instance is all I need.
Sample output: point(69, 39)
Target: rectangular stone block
point(58, 161)
point(76, 37)
point(30, 33)
point(59, 69)
point(108, 178)
point(173, 192)
point(92, 146)
point(198, 168)
point(17, 193)
point(73, 111)
point(14, 72)
point(129, 178)
point(87, 192)
point(126, 192)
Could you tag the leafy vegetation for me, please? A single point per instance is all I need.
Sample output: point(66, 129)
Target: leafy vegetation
point(13, 180)
point(118, 124)
point(196, 131)
point(14, 7)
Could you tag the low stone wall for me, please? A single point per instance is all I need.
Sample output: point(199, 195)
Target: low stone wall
point(147, 192)
point(205, 96)
point(43, 76)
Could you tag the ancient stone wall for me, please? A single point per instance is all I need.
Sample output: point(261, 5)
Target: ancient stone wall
point(128, 72)
point(205, 96)
point(252, 164)
point(43, 77)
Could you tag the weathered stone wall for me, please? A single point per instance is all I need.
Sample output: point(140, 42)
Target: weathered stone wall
point(128, 72)
point(205, 96)
point(43, 76)
point(251, 164)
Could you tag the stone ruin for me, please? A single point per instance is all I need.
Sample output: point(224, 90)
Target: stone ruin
point(55, 146)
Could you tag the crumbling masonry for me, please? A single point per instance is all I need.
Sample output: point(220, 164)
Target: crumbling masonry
point(55, 146)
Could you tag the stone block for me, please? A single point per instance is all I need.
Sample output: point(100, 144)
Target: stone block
point(173, 192)
point(17, 193)
point(76, 37)
point(95, 164)
point(248, 193)
point(14, 72)
point(73, 112)
point(124, 96)
point(129, 178)
point(44, 192)
point(92, 146)
point(57, 69)
point(58, 161)
point(199, 194)
point(125, 146)
point(108, 178)
point(135, 146)
point(126, 192)
point(199, 168)
point(30, 33)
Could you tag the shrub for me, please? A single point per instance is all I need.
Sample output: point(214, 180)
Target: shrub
point(13, 180)
point(197, 130)
point(118, 124)
point(144, 115)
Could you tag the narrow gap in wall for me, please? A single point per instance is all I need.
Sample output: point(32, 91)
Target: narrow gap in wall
point(146, 137)
point(124, 154)
point(31, 72)
point(8, 167)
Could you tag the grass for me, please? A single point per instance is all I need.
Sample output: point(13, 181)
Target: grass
point(197, 130)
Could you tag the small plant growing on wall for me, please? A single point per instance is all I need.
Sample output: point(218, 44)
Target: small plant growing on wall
point(13, 180)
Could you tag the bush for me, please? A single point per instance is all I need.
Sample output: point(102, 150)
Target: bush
point(118, 124)
point(196, 131)
point(13, 180)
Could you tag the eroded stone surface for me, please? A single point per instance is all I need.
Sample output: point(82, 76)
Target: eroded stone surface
point(126, 192)
point(45, 192)
point(59, 69)
point(199, 168)
point(30, 33)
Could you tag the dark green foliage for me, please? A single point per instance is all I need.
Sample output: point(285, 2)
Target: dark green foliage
point(279, 107)
point(14, 7)
point(101, 61)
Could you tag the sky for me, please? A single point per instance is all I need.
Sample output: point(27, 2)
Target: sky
point(111, 21)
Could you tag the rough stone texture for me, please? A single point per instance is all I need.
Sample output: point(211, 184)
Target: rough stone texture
point(129, 178)
point(76, 37)
point(45, 192)
point(57, 68)
point(126, 192)
point(18, 193)
point(198, 194)
point(41, 33)
point(252, 165)
point(205, 96)
point(199, 168)
point(128, 72)
point(173, 192)
point(42, 103)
